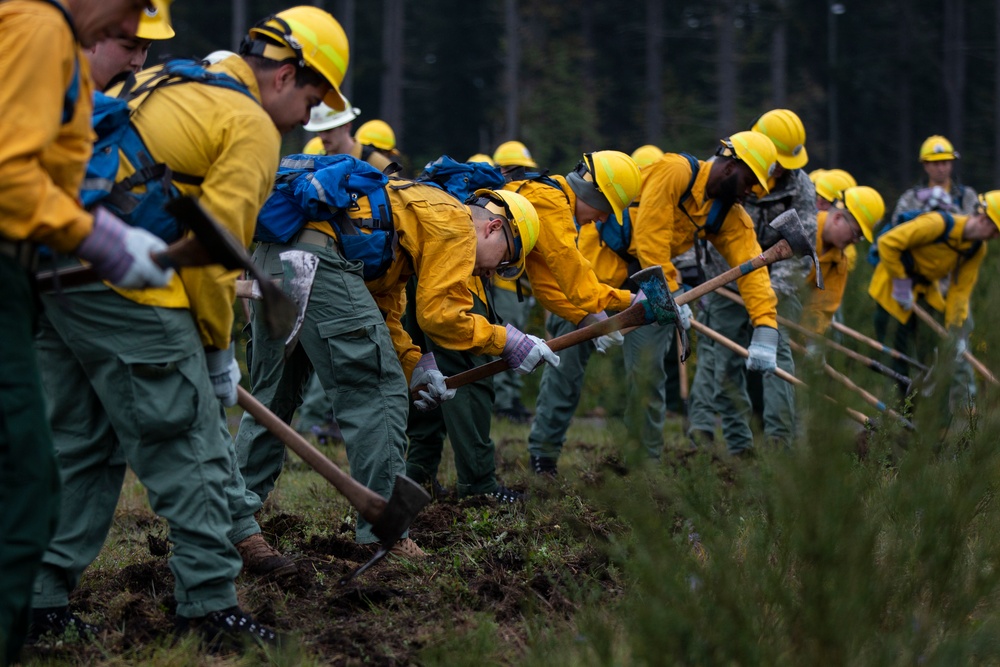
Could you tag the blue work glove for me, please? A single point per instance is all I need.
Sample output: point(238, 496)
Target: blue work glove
point(436, 392)
point(523, 352)
point(763, 350)
point(684, 313)
point(224, 372)
point(120, 253)
point(902, 292)
point(605, 342)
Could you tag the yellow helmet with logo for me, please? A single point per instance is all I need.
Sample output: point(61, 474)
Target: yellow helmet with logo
point(376, 133)
point(645, 155)
point(937, 148)
point(832, 182)
point(865, 205)
point(513, 154)
point(154, 23)
point(753, 149)
point(989, 203)
point(785, 129)
point(522, 220)
point(482, 157)
point(314, 147)
point(606, 180)
point(308, 35)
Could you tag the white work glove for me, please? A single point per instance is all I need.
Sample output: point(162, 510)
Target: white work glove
point(605, 342)
point(684, 313)
point(902, 292)
point(763, 350)
point(523, 352)
point(436, 392)
point(120, 253)
point(961, 347)
point(224, 372)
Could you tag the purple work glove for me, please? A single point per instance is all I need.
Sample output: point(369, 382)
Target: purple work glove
point(902, 292)
point(436, 392)
point(523, 352)
point(121, 254)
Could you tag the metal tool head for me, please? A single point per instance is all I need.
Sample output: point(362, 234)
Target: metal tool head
point(299, 269)
point(659, 304)
point(279, 310)
point(790, 227)
point(406, 501)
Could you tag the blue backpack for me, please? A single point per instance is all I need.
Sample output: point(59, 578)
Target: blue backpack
point(461, 179)
point(314, 188)
point(118, 139)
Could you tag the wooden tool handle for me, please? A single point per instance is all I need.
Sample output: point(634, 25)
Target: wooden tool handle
point(367, 502)
point(943, 333)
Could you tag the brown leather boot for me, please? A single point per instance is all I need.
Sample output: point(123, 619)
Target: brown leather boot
point(261, 559)
point(407, 548)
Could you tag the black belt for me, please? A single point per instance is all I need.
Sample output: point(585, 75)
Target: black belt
point(24, 253)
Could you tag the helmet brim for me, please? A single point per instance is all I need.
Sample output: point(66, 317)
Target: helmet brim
point(794, 161)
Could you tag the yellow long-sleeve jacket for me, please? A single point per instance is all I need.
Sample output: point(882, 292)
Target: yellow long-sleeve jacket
point(42, 160)
point(228, 139)
point(562, 280)
point(437, 243)
point(932, 261)
point(835, 264)
point(661, 230)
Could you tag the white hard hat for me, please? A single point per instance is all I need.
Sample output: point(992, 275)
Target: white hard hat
point(217, 56)
point(324, 118)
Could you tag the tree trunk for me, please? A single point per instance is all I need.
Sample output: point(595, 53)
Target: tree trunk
point(343, 11)
point(239, 25)
point(954, 67)
point(996, 96)
point(512, 65)
point(905, 149)
point(654, 71)
point(726, 66)
point(391, 109)
point(779, 57)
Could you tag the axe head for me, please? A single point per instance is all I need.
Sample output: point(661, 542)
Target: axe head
point(790, 228)
point(279, 310)
point(406, 501)
point(299, 269)
point(659, 304)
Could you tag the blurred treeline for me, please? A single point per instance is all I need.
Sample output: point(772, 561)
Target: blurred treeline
point(871, 80)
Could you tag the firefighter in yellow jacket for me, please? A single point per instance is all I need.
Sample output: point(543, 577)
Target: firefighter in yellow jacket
point(680, 208)
point(853, 215)
point(45, 142)
point(915, 255)
point(111, 358)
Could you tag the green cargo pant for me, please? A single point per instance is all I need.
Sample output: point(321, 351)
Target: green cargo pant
point(508, 385)
point(719, 384)
point(346, 341)
point(465, 419)
point(29, 474)
point(315, 409)
point(649, 356)
point(558, 393)
point(127, 382)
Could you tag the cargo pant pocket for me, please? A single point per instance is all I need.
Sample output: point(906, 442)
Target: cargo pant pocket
point(165, 396)
point(356, 353)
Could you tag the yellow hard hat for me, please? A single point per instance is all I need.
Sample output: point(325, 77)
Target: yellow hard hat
point(154, 23)
point(513, 154)
point(376, 133)
point(644, 155)
point(753, 149)
point(937, 148)
point(785, 129)
point(309, 35)
point(814, 174)
point(832, 182)
point(523, 223)
point(989, 203)
point(614, 176)
point(482, 157)
point(314, 147)
point(865, 205)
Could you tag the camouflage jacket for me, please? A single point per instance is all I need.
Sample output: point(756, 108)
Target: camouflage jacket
point(963, 200)
point(793, 190)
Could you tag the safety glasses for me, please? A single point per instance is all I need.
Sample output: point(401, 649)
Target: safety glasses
point(509, 268)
